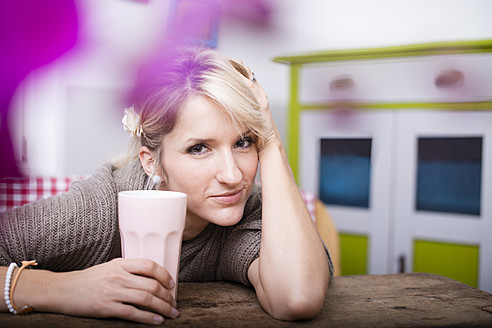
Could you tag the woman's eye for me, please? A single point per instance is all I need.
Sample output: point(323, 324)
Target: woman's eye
point(245, 142)
point(197, 149)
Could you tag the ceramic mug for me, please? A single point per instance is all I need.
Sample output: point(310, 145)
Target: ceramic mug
point(151, 226)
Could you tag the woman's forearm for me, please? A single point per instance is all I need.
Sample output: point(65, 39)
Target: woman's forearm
point(291, 274)
point(293, 267)
point(34, 288)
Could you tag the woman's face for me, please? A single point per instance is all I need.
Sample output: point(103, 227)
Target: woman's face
point(206, 157)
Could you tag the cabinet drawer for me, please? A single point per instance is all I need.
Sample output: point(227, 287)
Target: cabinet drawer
point(452, 78)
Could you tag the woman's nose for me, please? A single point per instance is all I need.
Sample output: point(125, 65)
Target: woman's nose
point(228, 171)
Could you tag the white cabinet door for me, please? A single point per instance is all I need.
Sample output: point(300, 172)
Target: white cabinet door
point(355, 182)
point(443, 190)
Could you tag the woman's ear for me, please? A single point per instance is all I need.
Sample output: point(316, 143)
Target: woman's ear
point(147, 159)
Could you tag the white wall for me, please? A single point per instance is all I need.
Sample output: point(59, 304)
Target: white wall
point(121, 30)
point(310, 25)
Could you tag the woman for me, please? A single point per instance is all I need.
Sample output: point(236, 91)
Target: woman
point(202, 127)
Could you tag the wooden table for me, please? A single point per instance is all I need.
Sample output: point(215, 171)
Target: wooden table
point(394, 300)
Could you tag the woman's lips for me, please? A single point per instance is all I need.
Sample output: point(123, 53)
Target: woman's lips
point(229, 198)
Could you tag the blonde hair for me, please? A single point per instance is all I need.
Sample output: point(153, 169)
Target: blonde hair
point(164, 85)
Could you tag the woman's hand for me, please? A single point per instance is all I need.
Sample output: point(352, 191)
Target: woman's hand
point(131, 289)
point(273, 136)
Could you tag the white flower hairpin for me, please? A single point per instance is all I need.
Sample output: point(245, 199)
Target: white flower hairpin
point(131, 122)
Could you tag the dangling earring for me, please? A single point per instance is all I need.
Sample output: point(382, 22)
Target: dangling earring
point(152, 183)
point(153, 179)
point(156, 180)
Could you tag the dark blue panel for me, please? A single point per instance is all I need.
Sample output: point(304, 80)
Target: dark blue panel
point(345, 180)
point(452, 187)
point(449, 175)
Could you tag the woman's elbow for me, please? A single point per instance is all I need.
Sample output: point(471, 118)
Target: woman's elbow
point(304, 309)
point(300, 307)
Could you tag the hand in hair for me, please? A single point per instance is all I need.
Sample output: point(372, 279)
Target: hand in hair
point(273, 136)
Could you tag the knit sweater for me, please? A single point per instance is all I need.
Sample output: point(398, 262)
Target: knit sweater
point(79, 229)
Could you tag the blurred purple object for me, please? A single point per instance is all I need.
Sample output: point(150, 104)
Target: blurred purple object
point(198, 20)
point(252, 12)
point(32, 34)
point(195, 21)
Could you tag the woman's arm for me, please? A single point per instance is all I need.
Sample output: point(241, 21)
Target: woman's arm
point(291, 275)
point(131, 289)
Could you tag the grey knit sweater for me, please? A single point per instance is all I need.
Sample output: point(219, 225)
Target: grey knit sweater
point(79, 229)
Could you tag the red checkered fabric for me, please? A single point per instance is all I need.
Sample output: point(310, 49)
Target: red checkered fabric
point(15, 192)
point(310, 200)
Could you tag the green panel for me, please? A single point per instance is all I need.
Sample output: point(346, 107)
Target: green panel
point(353, 253)
point(447, 106)
point(459, 262)
point(410, 50)
point(293, 121)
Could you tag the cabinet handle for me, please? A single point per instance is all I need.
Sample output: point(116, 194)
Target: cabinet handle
point(342, 83)
point(449, 79)
point(401, 264)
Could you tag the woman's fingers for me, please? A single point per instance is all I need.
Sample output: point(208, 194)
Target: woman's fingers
point(143, 287)
point(149, 269)
point(131, 313)
point(147, 279)
point(262, 98)
point(241, 68)
point(145, 301)
point(252, 82)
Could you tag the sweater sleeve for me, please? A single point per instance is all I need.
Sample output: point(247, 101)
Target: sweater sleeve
point(242, 246)
point(70, 231)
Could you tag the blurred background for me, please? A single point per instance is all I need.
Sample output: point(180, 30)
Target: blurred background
point(66, 114)
point(409, 187)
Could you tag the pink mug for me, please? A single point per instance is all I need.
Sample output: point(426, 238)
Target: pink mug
point(151, 226)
